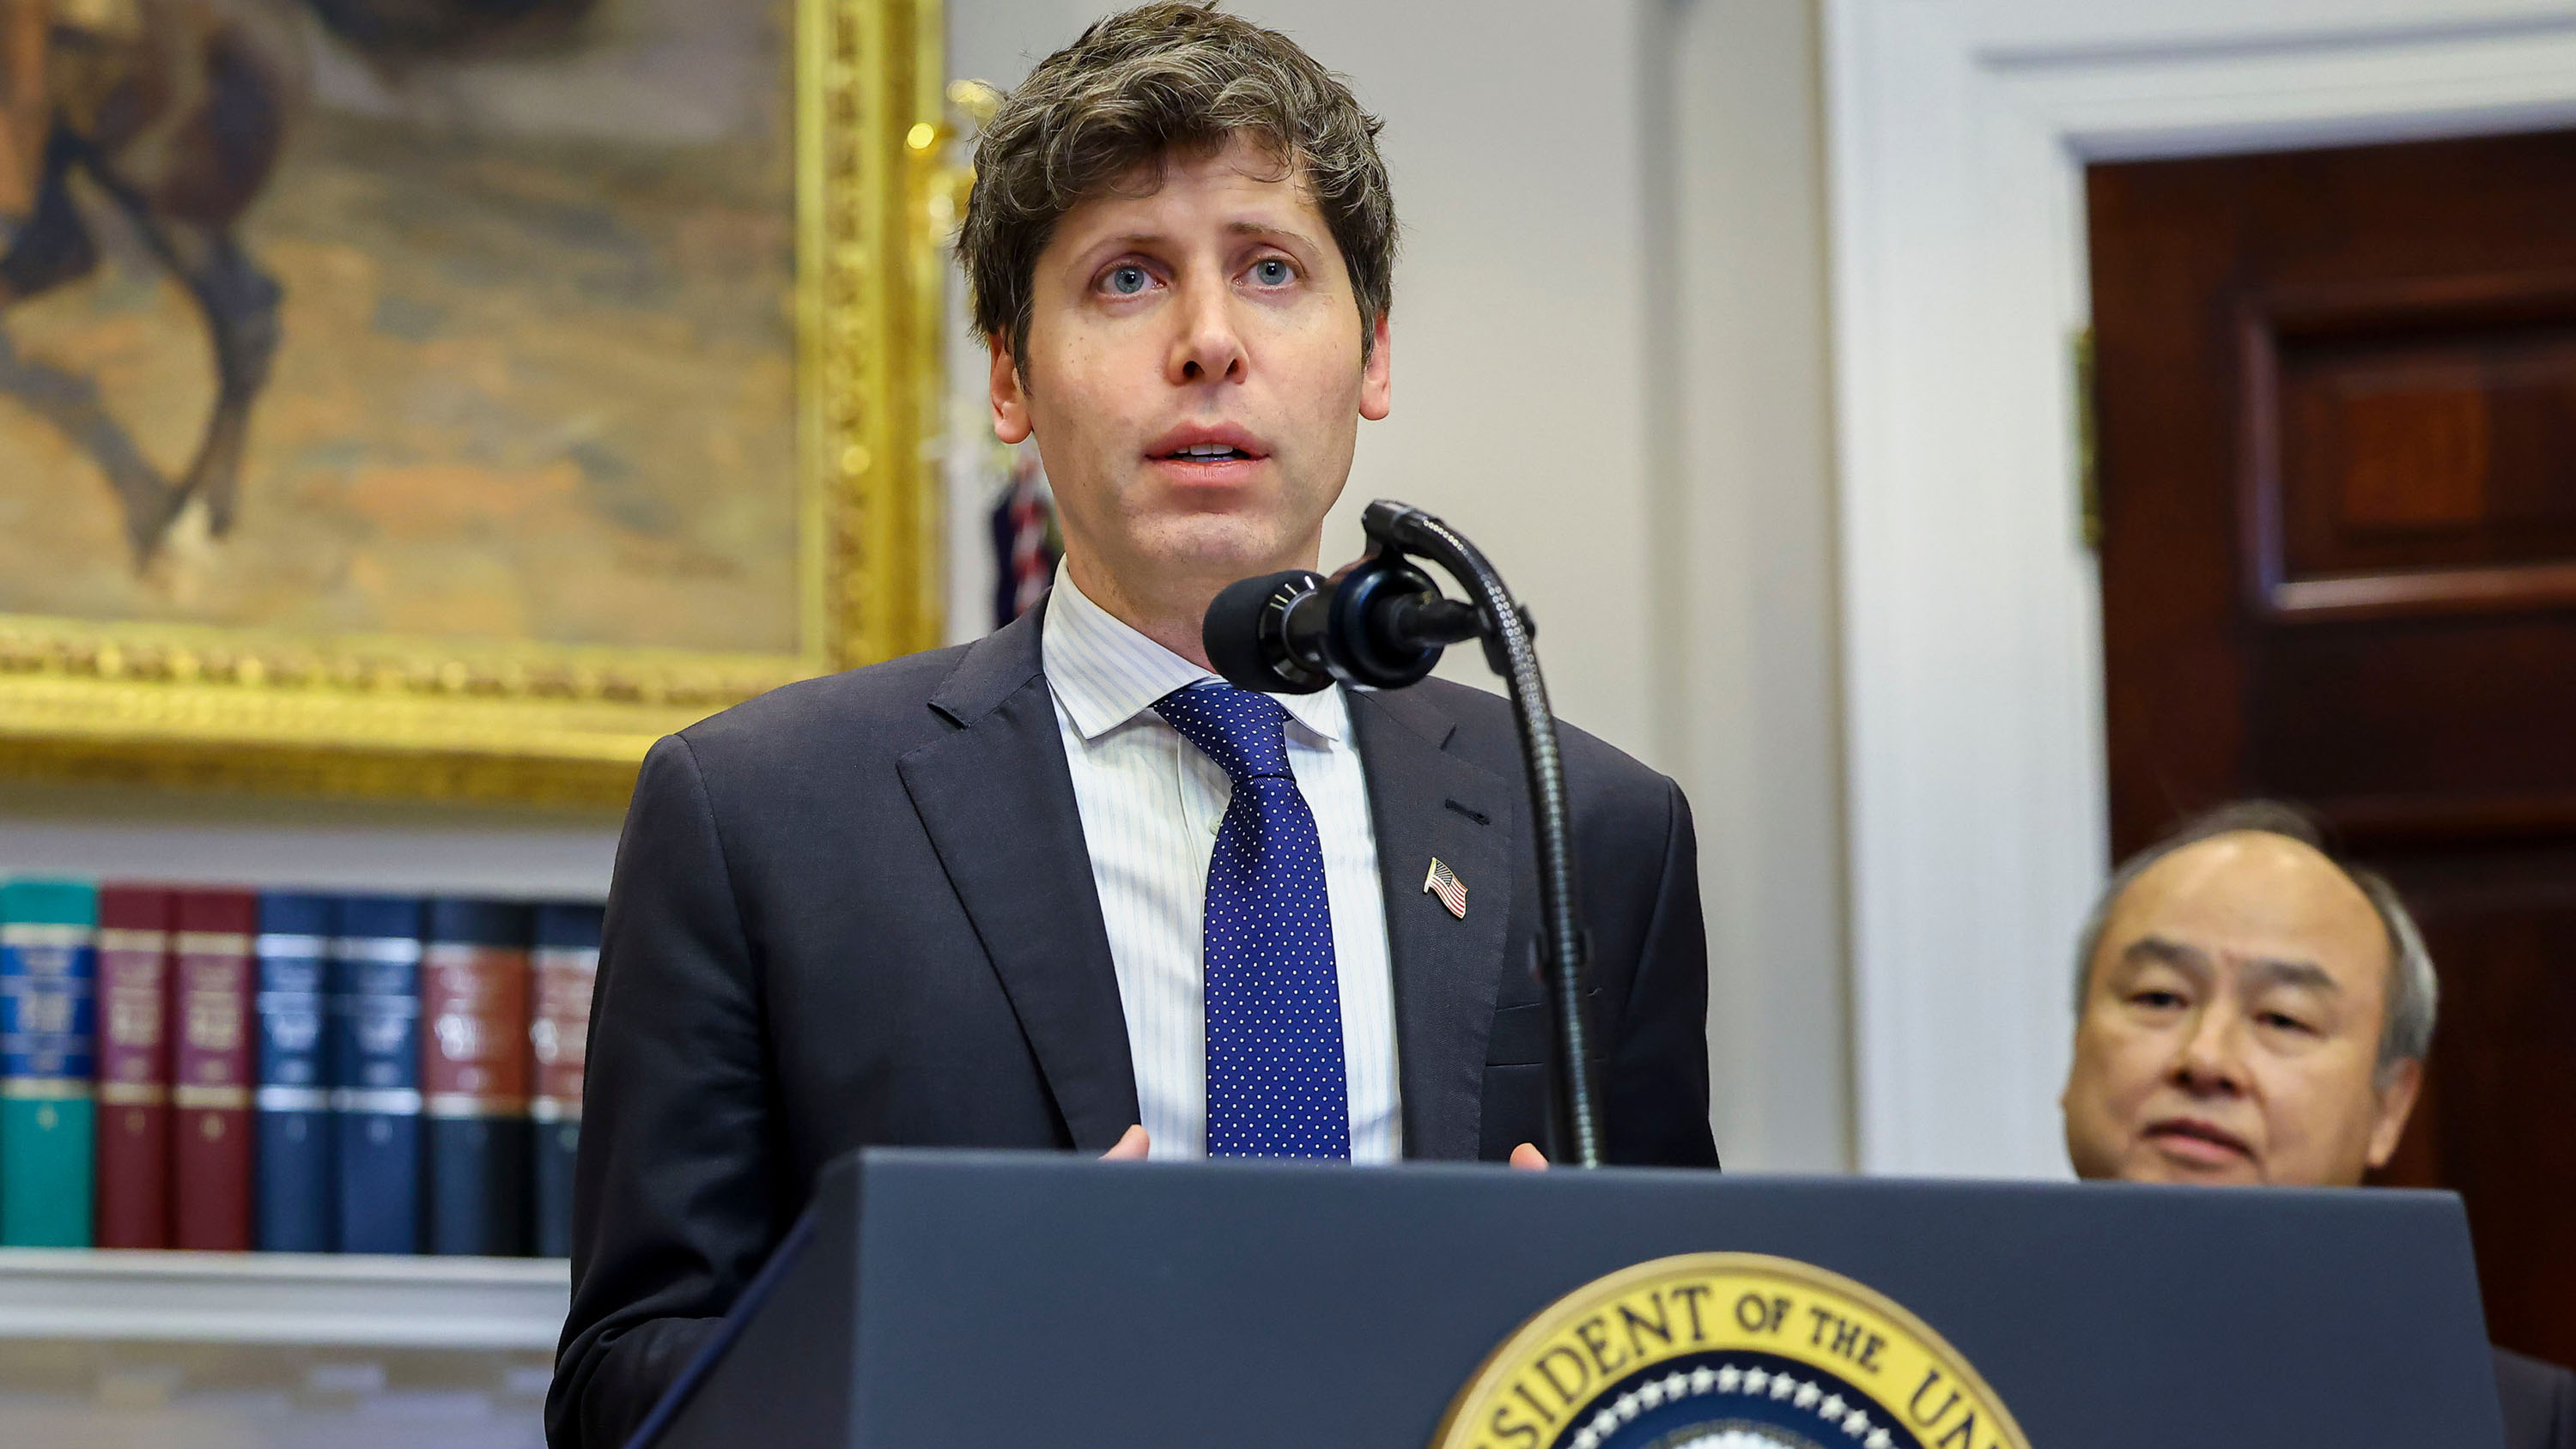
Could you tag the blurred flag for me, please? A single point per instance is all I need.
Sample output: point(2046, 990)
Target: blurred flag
point(1026, 543)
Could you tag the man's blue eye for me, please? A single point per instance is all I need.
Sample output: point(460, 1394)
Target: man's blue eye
point(1271, 272)
point(1127, 281)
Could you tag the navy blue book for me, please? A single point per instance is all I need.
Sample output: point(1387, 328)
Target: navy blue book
point(294, 1185)
point(566, 963)
point(374, 991)
point(474, 1075)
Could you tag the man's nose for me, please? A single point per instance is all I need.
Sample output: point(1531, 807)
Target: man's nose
point(2212, 1062)
point(1209, 346)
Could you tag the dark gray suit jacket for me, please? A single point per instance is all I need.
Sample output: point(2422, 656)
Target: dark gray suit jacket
point(859, 911)
point(2539, 1401)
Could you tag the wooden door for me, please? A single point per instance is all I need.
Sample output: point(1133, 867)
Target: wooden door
point(2337, 431)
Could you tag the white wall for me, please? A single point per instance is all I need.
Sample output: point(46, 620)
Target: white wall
point(1609, 371)
point(1752, 705)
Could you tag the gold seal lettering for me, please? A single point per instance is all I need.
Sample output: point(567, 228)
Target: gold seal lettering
point(1701, 1327)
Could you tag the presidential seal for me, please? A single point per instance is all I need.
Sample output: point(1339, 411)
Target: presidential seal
point(1726, 1351)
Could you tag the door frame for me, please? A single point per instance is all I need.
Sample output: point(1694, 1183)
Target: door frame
point(1958, 131)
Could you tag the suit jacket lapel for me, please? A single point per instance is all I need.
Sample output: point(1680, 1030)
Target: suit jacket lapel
point(1426, 802)
point(998, 804)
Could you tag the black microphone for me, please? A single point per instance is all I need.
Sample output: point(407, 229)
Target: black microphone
point(1381, 624)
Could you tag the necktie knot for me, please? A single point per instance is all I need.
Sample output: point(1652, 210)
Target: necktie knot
point(1245, 732)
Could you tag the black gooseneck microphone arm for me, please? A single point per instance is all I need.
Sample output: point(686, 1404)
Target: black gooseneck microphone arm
point(1382, 623)
point(1511, 653)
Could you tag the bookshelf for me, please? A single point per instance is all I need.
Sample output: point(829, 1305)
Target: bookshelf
point(319, 1300)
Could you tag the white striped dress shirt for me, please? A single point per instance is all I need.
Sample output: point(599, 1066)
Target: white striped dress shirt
point(1151, 803)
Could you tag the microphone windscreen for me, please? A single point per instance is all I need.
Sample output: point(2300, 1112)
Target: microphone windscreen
point(1232, 632)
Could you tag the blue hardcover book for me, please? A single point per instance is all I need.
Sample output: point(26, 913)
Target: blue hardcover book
point(474, 1076)
point(294, 1185)
point(374, 1004)
point(566, 962)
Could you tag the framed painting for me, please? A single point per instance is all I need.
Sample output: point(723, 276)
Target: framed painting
point(446, 398)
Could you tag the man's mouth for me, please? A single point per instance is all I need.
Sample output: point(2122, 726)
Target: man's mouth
point(1206, 445)
point(2196, 1140)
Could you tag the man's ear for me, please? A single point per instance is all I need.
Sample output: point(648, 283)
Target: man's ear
point(1377, 377)
point(1010, 398)
point(2396, 1103)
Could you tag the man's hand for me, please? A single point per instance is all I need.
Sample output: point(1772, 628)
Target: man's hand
point(1526, 1157)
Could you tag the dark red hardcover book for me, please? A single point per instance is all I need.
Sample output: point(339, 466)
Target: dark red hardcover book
point(210, 1093)
point(133, 1067)
point(566, 963)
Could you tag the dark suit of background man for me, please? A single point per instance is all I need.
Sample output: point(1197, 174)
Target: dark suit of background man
point(973, 897)
point(2250, 1011)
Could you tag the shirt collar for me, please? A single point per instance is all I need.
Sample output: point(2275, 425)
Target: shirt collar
point(1106, 673)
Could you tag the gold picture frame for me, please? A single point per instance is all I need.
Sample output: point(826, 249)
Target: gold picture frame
point(172, 704)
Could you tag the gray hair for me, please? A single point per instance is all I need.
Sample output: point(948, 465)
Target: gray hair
point(2413, 994)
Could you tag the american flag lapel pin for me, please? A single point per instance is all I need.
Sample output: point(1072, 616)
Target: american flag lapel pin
point(1444, 883)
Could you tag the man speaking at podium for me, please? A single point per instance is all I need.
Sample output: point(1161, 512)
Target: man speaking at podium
point(1060, 888)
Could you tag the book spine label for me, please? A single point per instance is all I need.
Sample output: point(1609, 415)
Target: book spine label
point(133, 1089)
point(474, 1062)
point(295, 1194)
point(558, 1037)
point(474, 1077)
point(211, 1092)
point(48, 1030)
point(559, 1029)
point(376, 1102)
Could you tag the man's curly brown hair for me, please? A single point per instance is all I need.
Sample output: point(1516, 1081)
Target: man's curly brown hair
point(1122, 98)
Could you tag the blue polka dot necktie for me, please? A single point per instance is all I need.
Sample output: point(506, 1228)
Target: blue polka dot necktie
point(1275, 1083)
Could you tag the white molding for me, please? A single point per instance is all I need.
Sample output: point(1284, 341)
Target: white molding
point(1957, 136)
point(283, 1298)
